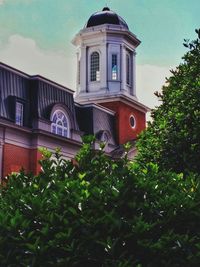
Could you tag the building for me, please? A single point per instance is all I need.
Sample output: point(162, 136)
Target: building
point(36, 112)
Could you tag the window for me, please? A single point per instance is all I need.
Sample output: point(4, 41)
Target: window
point(132, 121)
point(60, 123)
point(19, 113)
point(114, 67)
point(128, 69)
point(94, 67)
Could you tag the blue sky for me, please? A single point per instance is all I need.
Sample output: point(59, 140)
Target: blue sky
point(35, 36)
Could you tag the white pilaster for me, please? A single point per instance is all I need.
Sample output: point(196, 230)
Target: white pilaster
point(123, 70)
point(83, 69)
point(103, 66)
point(134, 74)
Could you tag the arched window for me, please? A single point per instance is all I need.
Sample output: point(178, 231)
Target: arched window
point(114, 66)
point(94, 67)
point(60, 123)
point(128, 69)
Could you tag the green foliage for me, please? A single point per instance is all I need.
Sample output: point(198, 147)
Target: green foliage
point(173, 138)
point(98, 212)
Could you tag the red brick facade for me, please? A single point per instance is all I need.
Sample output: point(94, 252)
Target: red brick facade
point(124, 130)
point(35, 156)
point(16, 158)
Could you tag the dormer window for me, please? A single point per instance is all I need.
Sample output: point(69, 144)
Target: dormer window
point(114, 67)
point(19, 113)
point(60, 123)
point(94, 67)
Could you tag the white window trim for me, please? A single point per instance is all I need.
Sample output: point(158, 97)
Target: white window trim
point(114, 78)
point(89, 65)
point(128, 69)
point(63, 128)
point(132, 116)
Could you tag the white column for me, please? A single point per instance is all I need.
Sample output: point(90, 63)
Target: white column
point(77, 71)
point(134, 74)
point(103, 66)
point(83, 69)
point(123, 69)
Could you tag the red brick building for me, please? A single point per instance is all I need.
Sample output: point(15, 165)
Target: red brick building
point(36, 112)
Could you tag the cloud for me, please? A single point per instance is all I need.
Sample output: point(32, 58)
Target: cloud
point(24, 54)
point(150, 78)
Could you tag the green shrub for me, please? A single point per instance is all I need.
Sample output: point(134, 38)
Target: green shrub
point(98, 212)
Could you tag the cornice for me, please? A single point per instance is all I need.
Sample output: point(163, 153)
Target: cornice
point(105, 29)
point(98, 99)
point(96, 105)
point(35, 132)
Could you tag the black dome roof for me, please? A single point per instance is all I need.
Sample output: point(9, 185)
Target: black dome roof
point(106, 16)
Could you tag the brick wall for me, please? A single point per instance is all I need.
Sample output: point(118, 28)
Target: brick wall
point(124, 130)
point(35, 156)
point(16, 157)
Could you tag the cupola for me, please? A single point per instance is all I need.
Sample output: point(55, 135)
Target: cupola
point(106, 53)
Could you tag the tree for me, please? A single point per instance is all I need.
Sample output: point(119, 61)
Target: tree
point(98, 212)
point(172, 139)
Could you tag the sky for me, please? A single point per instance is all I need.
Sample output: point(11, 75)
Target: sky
point(35, 37)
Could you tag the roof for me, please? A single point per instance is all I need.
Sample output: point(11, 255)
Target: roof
point(106, 16)
point(34, 77)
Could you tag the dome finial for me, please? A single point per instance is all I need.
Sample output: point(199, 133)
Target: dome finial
point(106, 8)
